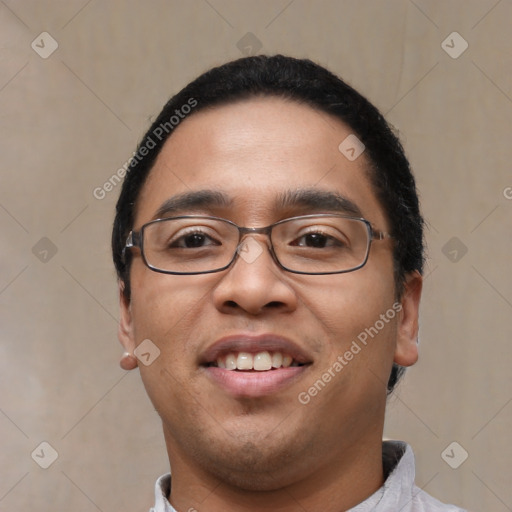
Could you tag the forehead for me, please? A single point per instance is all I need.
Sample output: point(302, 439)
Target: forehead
point(254, 152)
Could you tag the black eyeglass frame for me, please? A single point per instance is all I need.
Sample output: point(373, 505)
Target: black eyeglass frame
point(136, 239)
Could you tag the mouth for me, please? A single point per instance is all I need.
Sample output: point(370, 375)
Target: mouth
point(246, 365)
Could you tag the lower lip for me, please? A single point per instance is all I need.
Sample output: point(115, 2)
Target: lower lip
point(254, 384)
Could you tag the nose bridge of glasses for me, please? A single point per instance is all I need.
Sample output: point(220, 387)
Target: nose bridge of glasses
point(252, 243)
point(265, 231)
point(245, 231)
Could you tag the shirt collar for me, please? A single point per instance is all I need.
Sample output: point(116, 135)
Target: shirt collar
point(162, 490)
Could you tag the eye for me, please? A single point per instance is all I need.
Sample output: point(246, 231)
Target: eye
point(195, 239)
point(317, 240)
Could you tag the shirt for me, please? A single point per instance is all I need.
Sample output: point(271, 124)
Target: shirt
point(399, 492)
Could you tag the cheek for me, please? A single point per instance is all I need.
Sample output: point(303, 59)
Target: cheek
point(347, 304)
point(165, 309)
point(355, 313)
point(358, 325)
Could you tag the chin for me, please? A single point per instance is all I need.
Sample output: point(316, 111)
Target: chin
point(267, 464)
point(252, 470)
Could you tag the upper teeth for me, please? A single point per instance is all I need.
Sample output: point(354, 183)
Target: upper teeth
point(260, 361)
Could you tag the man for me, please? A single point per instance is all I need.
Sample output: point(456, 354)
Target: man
point(269, 248)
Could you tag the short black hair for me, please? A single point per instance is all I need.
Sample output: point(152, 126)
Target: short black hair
point(305, 82)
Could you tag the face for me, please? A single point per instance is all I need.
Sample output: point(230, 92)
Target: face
point(266, 159)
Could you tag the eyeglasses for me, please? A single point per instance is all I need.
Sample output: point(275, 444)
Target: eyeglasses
point(309, 244)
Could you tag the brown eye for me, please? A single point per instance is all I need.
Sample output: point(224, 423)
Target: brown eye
point(316, 240)
point(194, 240)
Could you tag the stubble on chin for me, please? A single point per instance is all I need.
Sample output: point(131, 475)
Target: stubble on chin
point(252, 461)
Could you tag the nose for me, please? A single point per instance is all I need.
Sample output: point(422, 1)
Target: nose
point(254, 283)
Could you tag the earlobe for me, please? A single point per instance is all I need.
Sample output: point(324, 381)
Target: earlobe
point(125, 331)
point(406, 352)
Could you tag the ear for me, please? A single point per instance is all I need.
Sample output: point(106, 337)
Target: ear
point(406, 351)
point(125, 327)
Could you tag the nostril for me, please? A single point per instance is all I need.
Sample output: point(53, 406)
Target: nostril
point(274, 304)
point(231, 304)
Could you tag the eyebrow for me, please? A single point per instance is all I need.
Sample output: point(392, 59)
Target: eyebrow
point(304, 200)
point(201, 199)
point(313, 200)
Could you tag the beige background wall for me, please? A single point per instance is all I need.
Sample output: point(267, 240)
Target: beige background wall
point(69, 121)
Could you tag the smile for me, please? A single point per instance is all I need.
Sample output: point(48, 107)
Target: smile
point(251, 366)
